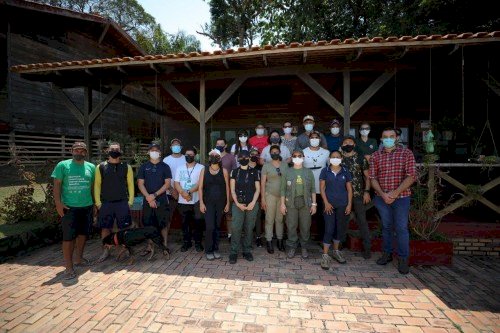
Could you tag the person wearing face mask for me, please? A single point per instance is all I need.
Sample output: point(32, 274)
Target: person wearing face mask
point(334, 138)
point(245, 189)
point(275, 139)
point(73, 179)
point(365, 145)
point(270, 197)
point(302, 141)
point(187, 183)
point(174, 160)
point(288, 139)
point(315, 159)
point(227, 160)
point(358, 167)
point(214, 201)
point(113, 193)
point(392, 172)
point(259, 140)
point(241, 144)
point(298, 203)
point(253, 164)
point(336, 191)
point(153, 180)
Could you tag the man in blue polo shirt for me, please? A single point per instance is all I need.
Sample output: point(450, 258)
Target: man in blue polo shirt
point(153, 180)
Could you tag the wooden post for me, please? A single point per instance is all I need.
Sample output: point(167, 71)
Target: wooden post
point(347, 102)
point(203, 133)
point(87, 127)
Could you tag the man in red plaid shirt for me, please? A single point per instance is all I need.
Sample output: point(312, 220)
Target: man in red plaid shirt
point(392, 172)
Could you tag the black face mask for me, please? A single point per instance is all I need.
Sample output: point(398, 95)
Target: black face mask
point(213, 160)
point(189, 158)
point(244, 161)
point(275, 140)
point(78, 157)
point(348, 148)
point(114, 154)
point(254, 158)
point(275, 156)
point(220, 148)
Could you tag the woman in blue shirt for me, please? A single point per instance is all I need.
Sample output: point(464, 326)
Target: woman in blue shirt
point(336, 191)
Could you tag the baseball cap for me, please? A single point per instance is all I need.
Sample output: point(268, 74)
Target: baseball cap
point(335, 122)
point(79, 145)
point(175, 140)
point(308, 117)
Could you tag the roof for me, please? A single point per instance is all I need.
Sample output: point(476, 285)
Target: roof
point(112, 28)
point(281, 52)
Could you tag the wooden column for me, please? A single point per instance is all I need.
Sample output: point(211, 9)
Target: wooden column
point(87, 126)
point(347, 102)
point(203, 131)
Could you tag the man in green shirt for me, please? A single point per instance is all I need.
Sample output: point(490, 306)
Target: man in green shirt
point(73, 181)
point(365, 146)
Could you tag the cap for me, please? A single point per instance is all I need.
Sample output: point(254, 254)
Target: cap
point(335, 122)
point(243, 153)
point(79, 145)
point(308, 117)
point(153, 145)
point(174, 140)
point(214, 152)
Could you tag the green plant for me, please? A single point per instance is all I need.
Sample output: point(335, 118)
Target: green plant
point(423, 220)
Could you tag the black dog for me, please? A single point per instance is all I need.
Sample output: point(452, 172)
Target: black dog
point(130, 237)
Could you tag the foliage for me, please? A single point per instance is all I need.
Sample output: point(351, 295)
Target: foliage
point(133, 18)
point(423, 220)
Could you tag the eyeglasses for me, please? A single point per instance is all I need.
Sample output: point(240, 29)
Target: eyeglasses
point(278, 171)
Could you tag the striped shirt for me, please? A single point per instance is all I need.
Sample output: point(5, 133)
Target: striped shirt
point(391, 168)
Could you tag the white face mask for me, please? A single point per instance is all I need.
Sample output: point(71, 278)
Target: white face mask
point(314, 142)
point(335, 130)
point(335, 161)
point(287, 130)
point(364, 132)
point(259, 131)
point(297, 160)
point(154, 155)
point(243, 139)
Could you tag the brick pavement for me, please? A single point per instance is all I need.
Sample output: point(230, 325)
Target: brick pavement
point(271, 294)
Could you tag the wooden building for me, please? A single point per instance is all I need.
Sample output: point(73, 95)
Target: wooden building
point(30, 110)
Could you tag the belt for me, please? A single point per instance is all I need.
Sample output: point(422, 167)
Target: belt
point(315, 168)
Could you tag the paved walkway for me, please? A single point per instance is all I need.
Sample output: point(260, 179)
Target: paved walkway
point(271, 294)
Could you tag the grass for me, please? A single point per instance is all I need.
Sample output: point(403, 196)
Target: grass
point(6, 191)
point(7, 230)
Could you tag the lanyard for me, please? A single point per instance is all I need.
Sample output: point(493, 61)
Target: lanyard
point(190, 173)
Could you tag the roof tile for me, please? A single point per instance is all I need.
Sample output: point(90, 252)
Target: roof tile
point(242, 49)
point(363, 40)
point(495, 34)
point(481, 34)
point(419, 37)
point(294, 45)
point(392, 39)
point(255, 48)
point(335, 41)
point(205, 53)
point(465, 35)
point(268, 47)
point(321, 43)
point(217, 52)
point(349, 41)
point(405, 38)
point(449, 36)
point(377, 40)
point(433, 37)
point(181, 55)
point(308, 43)
point(229, 51)
point(281, 46)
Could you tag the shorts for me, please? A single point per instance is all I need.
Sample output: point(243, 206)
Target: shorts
point(77, 221)
point(156, 217)
point(116, 209)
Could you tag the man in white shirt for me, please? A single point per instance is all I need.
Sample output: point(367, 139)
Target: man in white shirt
point(316, 158)
point(174, 160)
point(186, 182)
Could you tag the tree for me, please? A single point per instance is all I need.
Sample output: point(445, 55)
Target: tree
point(156, 41)
point(234, 22)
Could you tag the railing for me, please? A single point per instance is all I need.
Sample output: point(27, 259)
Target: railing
point(436, 175)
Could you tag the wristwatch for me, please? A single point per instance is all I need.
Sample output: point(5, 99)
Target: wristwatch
point(314, 204)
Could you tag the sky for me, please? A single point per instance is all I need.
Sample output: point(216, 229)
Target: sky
point(175, 15)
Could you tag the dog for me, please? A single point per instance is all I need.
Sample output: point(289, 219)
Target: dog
point(128, 238)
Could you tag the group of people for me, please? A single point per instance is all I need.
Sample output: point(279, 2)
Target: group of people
point(286, 180)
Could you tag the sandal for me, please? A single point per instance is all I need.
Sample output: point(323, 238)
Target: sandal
point(69, 275)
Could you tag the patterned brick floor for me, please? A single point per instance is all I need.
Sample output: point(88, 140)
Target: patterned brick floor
point(271, 294)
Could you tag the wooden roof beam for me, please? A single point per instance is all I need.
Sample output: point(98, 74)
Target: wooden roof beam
point(226, 64)
point(188, 66)
point(121, 70)
point(455, 48)
point(68, 103)
point(104, 32)
point(176, 94)
point(98, 109)
point(360, 51)
point(88, 72)
point(264, 59)
point(322, 92)
point(304, 57)
point(230, 90)
point(153, 67)
point(370, 91)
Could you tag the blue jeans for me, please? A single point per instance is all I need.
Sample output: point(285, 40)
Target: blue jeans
point(395, 216)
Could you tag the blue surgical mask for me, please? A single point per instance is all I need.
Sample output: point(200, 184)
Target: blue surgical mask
point(176, 149)
point(389, 142)
point(308, 127)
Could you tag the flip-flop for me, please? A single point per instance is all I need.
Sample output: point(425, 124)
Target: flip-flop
point(69, 275)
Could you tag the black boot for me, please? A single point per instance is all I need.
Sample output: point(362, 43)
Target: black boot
point(386, 258)
point(281, 245)
point(270, 249)
point(403, 266)
point(258, 242)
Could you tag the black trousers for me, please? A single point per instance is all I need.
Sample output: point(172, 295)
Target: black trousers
point(192, 222)
point(213, 219)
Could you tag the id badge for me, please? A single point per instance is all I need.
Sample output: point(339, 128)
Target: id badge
point(289, 183)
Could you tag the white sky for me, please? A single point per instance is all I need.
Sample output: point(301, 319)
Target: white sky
point(175, 15)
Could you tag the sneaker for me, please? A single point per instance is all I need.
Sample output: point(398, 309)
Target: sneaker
point(216, 255)
point(185, 247)
point(198, 247)
point(69, 275)
point(403, 267)
point(248, 256)
point(210, 256)
point(325, 261)
point(258, 242)
point(367, 254)
point(386, 258)
point(233, 258)
point(291, 253)
point(337, 255)
point(104, 255)
point(304, 253)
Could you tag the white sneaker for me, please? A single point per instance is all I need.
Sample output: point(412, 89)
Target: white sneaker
point(337, 255)
point(210, 256)
point(325, 261)
point(216, 255)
